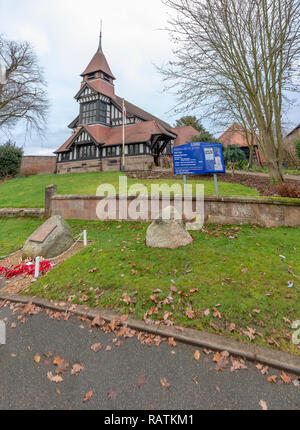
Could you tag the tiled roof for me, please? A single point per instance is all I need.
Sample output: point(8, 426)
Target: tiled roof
point(184, 134)
point(64, 147)
point(136, 111)
point(234, 135)
point(97, 63)
point(135, 133)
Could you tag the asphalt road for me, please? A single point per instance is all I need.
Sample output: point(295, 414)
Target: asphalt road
point(24, 383)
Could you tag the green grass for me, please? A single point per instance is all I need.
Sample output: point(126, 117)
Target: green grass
point(14, 232)
point(29, 192)
point(239, 276)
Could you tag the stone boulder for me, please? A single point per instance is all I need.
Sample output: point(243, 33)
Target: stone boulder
point(168, 231)
point(50, 240)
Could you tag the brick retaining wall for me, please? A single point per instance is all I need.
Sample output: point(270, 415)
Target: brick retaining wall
point(268, 212)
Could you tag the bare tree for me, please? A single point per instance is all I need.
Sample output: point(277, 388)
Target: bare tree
point(22, 87)
point(237, 56)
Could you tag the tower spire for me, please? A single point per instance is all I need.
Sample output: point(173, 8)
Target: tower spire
point(100, 38)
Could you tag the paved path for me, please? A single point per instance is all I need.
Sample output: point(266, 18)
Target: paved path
point(263, 175)
point(24, 383)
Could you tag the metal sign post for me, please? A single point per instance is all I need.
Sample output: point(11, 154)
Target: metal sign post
point(216, 184)
point(185, 184)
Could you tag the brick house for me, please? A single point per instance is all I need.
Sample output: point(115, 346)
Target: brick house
point(97, 139)
point(289, 141)
point(235, 135)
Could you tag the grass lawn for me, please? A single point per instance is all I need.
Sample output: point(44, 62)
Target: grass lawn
point(29, 192)
point(14, 232)
point(235, 272)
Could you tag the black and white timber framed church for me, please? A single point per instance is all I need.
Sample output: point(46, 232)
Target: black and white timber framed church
point(97, 139)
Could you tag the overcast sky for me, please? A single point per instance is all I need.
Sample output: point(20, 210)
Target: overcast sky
point(65, 35)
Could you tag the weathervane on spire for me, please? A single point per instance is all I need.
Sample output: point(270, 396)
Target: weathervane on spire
point(100, 38)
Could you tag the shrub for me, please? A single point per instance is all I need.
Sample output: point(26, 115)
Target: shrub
point(288, 190)
point(10, 159)
point(233, 155)
point(242, 165)
point(297, 147)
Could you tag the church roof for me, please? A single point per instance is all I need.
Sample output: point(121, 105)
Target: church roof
point(135, 133)
point(184, 134)
point(140, 113)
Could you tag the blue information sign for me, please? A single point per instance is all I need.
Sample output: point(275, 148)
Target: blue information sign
point(198, 158)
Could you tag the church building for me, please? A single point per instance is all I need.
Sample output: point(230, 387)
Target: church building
point(98, 132)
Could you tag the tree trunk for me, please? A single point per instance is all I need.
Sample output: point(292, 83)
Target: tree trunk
point(275, 172)
point(273, 157)
point(251, 149)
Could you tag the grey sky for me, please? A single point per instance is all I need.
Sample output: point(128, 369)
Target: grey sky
point(65, 36)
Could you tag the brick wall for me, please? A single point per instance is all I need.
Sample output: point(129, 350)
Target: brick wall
point(111, 164)
point(79, 166)
point(40, 165)
point(267, 212)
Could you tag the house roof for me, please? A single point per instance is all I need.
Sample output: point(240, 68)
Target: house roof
point(184, 134)
point(234, 135)
point(293, 131)
point(135, 133)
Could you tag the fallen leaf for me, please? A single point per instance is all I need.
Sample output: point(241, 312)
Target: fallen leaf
point(286, 378)
point(197, 355)
point(141, 381)
point(13, 325)
point(218, 389)
point(272, 378)
point(96, 347)
point(97, 321)
point(263, 405)
point(206, 312)
point(76, 368)
point(124, 318)
point(27, 308)
point(112, 395)
point(37, 358)
point(217, 357)
point(165, 383)
point(88, 396)
point(57, 379)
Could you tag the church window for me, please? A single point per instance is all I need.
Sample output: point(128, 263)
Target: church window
point(104, 113)
point(89, 113)
point(141, 148)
